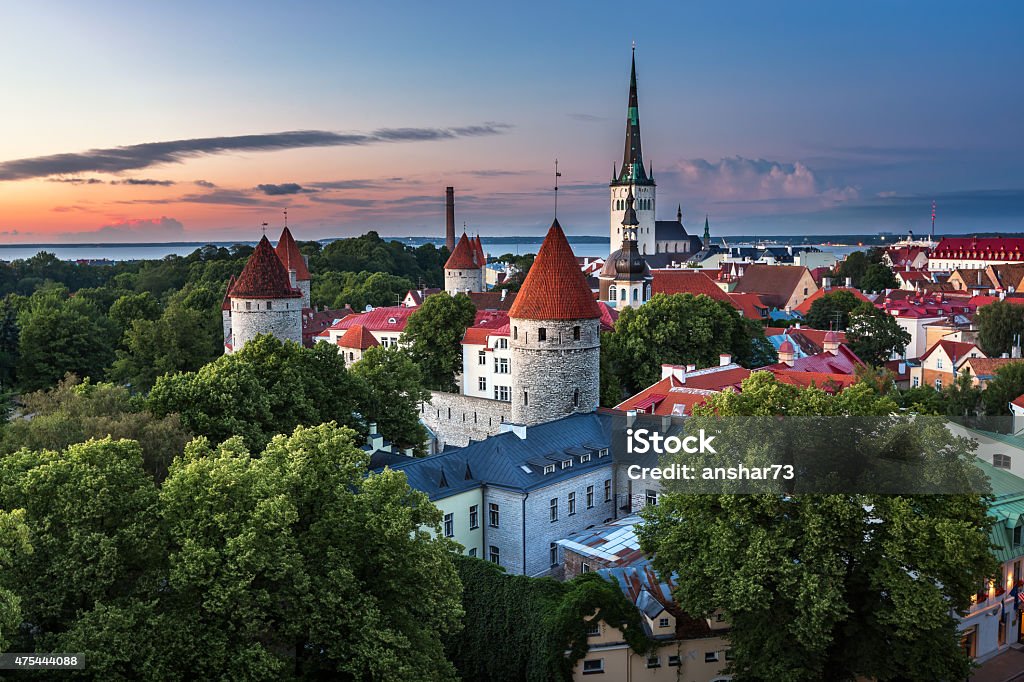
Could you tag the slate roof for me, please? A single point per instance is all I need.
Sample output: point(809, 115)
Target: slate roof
point(507, 461)
point(288, 251)
point(264, 276)
point(555, 288)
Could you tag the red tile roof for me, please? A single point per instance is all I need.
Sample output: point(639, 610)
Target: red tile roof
point(465, 256)
point(226, 303)
point(686, 282)
point(1018, 401)
point(487, 323)
point(555, 288)
point(776, 283)
point(376, 320)
point(359, 337)
point(826, 381)
point(492, 300)
point(843, 362)
point(264, 276)
point(805, 307)
point(985, 248)
point(288, 251)
point(751, 305)
point(316, 321)
point(955, 350)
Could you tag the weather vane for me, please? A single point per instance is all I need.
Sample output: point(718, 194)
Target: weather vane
point(264, 229)
point(557, 175)
point(286, 218)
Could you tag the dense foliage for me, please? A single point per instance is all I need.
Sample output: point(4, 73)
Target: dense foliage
point(999, 326)
point(875, 335)
point(828, 586)
point(519, 629)
point(679, 329)
point(433, 336)
point(293, 564)
point(832, 310)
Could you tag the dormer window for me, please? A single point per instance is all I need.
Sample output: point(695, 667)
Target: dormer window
point(584, 458)
point(1001, 461)
point(392, 320)
point(549, 468)
point(566, 463)
point(603, 452)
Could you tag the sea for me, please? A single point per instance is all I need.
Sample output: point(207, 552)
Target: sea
point(588, 246)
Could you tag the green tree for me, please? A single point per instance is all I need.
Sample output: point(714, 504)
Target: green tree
point(74, 412)
point(14, 541)
point(9, 339)
point(962, 397)
point(877, 278)
point(61, 334)
point(298, 563)
point(1007, 386)
point(999, 324)
point(677, 329)
point(175, 342)
point(855, 266)
point(874, 335)
point(266, 388)
point(433, 336)
point(91, 513)
point(130, 307)
point(358, 289)
point(394, 392)
point(832, 310)
point(828, 586)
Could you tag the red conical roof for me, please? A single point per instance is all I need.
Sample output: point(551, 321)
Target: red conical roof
point(555, 288)
point(359, 337)
point(465, 256)
point(288, 251)
point(226, 303)
point(480, 250)
point(264, 276)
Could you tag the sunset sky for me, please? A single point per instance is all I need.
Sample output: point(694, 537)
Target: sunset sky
point(184, 121)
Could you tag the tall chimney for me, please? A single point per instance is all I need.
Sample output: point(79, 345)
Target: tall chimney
point(449, 218)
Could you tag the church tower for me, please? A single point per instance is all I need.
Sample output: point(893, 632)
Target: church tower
point(626, 277)
point(707, 234)
point(556, 345)
point(632, 177)
point(263, 300)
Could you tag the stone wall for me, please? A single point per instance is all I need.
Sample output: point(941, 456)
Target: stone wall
point(546, 375)
point(283, 319)
point(461, 281)
point(303, 286)
point(455, 419)
point(508, 536)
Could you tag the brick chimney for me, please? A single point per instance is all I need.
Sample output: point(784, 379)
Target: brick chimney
point(449, 217)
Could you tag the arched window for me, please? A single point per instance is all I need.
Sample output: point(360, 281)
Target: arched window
point(636, 294)
point(648, 296)
point(612, 292)
point(515, 333)
point(623, 293)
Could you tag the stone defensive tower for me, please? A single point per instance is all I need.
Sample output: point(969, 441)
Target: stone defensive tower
point(263, 300)
point(464, 270)
point(298, 273)
point(556, 345)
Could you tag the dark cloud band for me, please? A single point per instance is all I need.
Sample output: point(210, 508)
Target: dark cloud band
point(139, 156)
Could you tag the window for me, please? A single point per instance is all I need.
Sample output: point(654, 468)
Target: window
point(553, 554)
point(938, 363)
point(576, 398)
point(636, 294)
point(553, 511)
point(474, 517)
point(622, 294)
point(449, 525)
point(663, 622)
point(584, 458)
point(526, 398)
point(576, 333)
point(566, 463)
point(584, 567)
point(572, 503)
point(501, 365)
point(482, 383)
point(652, 497)
point(590, 496)
point(594, 628)
point(392, 320)
point(612, 293)
point(515, 333)
point(270, 305)
point(603, 452)
point(502, 393)
point(472, 552)
point(653, 661)
point(549, 468)
point(542, 334)
point(938, 384)
point(482, 357)
point(495, 515)
point(501, 343)
point(248, 305)
point(1017, 535)
point(711, 657)
point(673, 661)
point(607, 490)
point(1001, 461)
point(593, 666)
point(495, 555)
point(916, 381)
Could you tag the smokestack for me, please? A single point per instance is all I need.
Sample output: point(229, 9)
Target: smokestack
point(449, 218)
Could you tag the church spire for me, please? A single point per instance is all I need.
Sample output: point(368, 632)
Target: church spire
point(632, 170)
point(679, 214)
point(707, 233)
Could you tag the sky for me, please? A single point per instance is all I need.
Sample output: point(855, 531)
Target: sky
point(191, 121)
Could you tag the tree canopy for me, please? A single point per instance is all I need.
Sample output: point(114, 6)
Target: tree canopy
point(875, 335)
point(832, 310)
point(433, 336)
point(999, 325)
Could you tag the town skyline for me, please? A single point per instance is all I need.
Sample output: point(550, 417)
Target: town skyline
point(792, 120)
